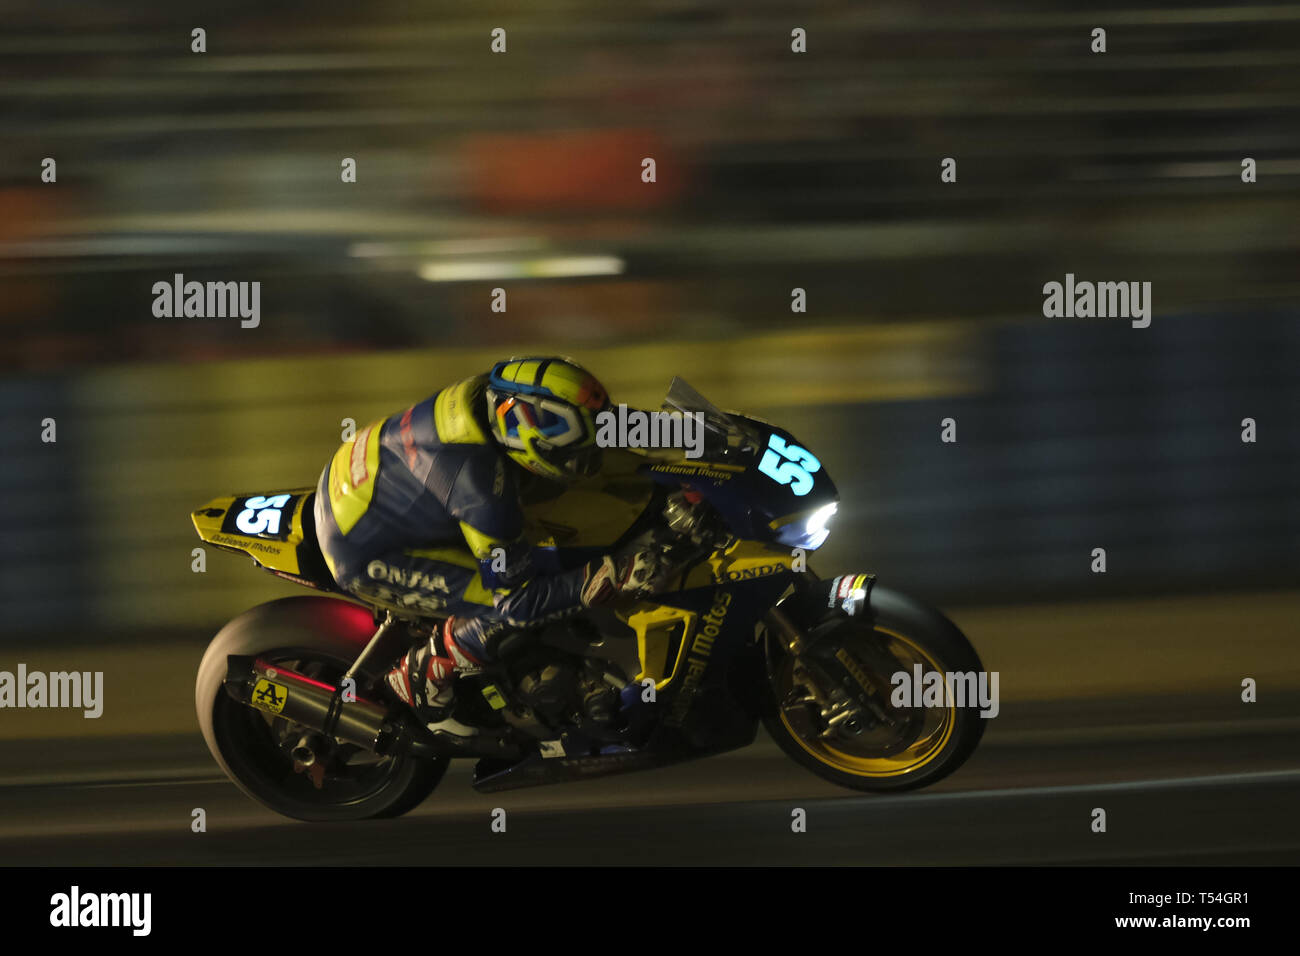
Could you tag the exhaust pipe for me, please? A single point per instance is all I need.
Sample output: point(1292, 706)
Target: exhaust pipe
point(320, 707)
point(364, 723)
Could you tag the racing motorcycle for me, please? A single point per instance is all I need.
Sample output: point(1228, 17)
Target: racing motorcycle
point(293, 704)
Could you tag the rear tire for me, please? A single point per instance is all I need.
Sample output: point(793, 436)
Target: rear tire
point(901, 622)
point(329, 634)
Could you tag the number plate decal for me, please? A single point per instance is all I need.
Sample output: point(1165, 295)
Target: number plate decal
point(789, 465)
point(261, 516)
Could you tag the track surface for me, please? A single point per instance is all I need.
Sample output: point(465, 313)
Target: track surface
point(1180, 784)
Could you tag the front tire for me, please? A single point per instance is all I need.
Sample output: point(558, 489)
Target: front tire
point(932, 743)
point(319, 637)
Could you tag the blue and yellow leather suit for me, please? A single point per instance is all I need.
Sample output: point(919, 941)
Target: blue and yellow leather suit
point(420, 513)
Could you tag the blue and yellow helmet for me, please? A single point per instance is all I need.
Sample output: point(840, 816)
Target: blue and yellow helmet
point(543, 411)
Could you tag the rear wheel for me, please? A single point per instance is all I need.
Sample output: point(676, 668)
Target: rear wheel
point(903, 748)
point(319, 638)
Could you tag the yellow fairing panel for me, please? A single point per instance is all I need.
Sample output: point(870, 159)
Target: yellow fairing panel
point(664, 634)
point(585, 516)
point(655, 632)
point(740, 562)
point(266, 551)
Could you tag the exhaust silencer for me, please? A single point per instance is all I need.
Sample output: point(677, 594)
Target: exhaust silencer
point(288, 694)
point(364, 723)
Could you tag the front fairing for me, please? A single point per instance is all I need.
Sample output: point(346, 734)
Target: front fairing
point(766, 486)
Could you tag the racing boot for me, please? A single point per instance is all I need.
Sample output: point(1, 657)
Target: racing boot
point(425, 680)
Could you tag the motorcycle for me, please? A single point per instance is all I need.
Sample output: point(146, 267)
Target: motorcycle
point(293, 705)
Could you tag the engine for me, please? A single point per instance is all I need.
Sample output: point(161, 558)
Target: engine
point(555, 689)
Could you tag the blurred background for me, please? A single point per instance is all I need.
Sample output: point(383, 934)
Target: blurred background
point(775, 171)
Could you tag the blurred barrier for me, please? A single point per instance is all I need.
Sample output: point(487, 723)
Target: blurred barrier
point(1071, 436)
point(1092, 435)
point(102, 540)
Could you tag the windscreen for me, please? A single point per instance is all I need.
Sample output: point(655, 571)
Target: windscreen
point(724, 435)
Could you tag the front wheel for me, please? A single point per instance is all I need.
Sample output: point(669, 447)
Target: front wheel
point(817, 716)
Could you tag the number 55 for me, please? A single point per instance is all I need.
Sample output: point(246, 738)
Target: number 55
point(796, 471)
point(261, 515)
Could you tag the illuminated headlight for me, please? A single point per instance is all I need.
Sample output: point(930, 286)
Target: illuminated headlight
point(815, 528)
point(806, 531)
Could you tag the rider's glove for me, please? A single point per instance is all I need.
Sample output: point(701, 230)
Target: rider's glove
point(629, 574)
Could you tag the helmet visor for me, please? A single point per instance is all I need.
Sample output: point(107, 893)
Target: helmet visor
point(559, 424)
point(519, 417)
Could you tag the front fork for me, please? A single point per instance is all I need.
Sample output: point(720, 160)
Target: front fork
point(849, 696)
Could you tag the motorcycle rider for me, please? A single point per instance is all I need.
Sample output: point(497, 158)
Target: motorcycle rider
point(421, 512)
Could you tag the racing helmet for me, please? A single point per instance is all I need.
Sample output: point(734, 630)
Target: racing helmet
point(543, 412)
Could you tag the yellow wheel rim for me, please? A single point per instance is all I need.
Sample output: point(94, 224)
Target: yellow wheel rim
point(935, 731)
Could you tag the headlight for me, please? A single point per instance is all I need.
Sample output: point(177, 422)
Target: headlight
point(807, 530)
point(815, 528)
